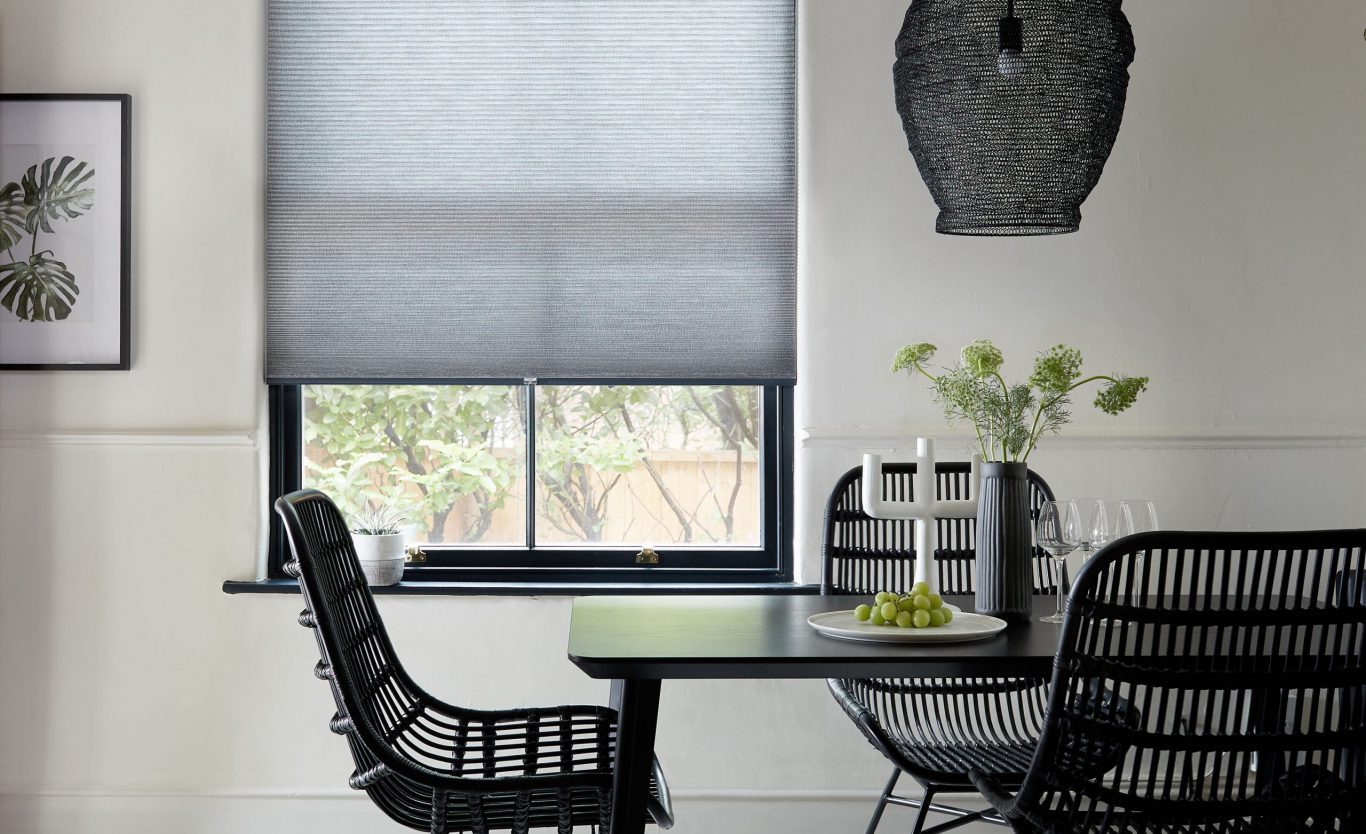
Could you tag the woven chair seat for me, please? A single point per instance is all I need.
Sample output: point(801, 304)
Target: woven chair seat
point(940, 729)
point(550, 743)
point(570, 748)
point(410, 803)
point(544, 809)
point(425, 763)
point(1008, 762)
point(947, 762)
point(1136, 824)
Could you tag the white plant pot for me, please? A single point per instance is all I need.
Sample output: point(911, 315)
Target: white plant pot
point(381, 557)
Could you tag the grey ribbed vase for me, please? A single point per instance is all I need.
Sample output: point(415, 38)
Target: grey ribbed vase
point(1004, 587)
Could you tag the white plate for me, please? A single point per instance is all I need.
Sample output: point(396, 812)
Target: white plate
point(963, 628)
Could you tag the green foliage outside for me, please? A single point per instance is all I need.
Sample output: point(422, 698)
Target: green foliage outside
point(426, 449)
point(380, 447)
point(591, 437)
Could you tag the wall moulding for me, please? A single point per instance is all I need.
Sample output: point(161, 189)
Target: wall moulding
point(881, 437)
point(222, 438)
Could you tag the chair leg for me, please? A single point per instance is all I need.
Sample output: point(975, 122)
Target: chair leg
point(882, 801)
point(924, 805)
point(924, 808)
point(966, 818)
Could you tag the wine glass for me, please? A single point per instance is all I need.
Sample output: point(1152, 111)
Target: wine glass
point(1056, 532)
point(1140, 515)
point(1091, 525)
point(1136, 515)
point(1124, 522)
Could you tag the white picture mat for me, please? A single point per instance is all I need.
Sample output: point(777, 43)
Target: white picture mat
point(95, 336)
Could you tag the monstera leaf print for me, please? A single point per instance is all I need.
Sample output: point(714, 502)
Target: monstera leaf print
point(39, 289)
point(53, 195)
point(12, 215)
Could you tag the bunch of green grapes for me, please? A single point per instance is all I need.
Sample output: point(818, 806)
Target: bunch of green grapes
point(918, 609)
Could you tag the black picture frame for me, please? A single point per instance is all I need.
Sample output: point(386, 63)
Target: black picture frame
point(125, 178)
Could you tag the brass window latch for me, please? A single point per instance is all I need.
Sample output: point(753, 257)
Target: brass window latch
point(647, 556)
point(416, 555)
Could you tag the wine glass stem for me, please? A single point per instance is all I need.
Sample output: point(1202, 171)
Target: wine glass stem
point(1060, 590)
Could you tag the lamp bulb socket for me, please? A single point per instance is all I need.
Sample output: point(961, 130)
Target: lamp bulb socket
point(1012, 34)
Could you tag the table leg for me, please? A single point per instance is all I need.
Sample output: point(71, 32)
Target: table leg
point(637, 706)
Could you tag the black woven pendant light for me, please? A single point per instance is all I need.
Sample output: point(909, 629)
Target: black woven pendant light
point(1011, 107)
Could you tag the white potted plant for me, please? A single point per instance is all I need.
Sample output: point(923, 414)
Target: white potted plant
point(379, 538)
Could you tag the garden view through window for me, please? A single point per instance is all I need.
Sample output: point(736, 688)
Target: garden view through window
point(618, 465)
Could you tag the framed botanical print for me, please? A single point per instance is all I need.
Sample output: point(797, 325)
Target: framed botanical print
point(64, 231)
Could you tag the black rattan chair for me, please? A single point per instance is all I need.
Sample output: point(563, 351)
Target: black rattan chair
point(429, 765)
point(1240, 648)
point(934, 730)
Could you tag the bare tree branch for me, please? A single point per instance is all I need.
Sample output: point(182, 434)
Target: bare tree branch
point(659, 482)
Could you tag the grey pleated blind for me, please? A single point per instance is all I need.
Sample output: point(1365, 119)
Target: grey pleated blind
point(599, 189)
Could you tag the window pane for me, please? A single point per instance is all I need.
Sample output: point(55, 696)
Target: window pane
point(635, 465)
point(451, 458)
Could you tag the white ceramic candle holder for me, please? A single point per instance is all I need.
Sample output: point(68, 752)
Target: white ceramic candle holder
point(925, 510)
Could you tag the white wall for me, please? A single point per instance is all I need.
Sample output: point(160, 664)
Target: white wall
point(1221, 255)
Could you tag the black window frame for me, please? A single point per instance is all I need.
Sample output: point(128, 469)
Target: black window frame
point(771, 562)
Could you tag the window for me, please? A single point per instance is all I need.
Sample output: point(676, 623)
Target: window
point(553, 482)
point(601, 196)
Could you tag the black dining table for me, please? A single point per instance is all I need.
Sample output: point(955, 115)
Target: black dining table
point(638, 642)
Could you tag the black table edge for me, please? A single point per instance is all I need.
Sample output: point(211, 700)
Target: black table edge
point(800, 669)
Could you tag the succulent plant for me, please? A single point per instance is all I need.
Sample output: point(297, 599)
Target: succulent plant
point(378, 520)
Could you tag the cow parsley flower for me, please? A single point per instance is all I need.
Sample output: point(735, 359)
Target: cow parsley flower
point(982, 358)
point(1056, 370)
point(912, 356)
point(1121, 393)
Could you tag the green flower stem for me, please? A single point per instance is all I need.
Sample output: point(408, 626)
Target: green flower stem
point(1005, 396)
point(981, 444)
point(1038, 412)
